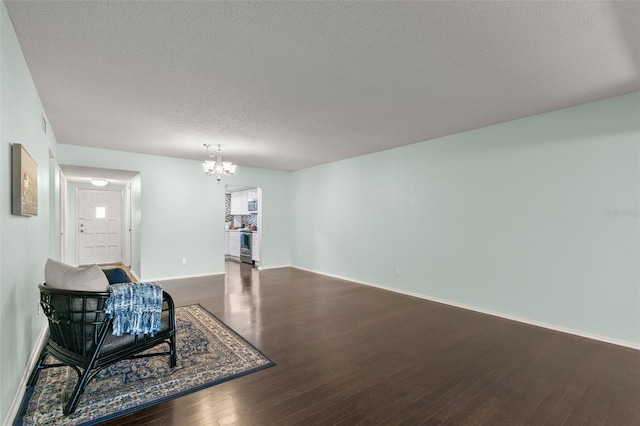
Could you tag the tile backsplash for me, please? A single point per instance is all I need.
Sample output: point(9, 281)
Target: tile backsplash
point(227, 208)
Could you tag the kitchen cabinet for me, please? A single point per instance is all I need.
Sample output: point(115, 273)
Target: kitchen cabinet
point(236, 203)
point(245, 202)
point(226, 243)
point(234, 243)
point(252, 194)
point(255, 247)
point(240, 202)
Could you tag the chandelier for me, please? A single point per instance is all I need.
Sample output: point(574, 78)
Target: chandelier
point(219, 168)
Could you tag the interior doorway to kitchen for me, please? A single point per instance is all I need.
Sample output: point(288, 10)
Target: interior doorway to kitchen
point(243, 224)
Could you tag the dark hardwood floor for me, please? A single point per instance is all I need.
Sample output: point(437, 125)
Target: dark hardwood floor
point(349, 354)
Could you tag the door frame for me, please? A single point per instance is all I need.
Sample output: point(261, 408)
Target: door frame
point(63, 217)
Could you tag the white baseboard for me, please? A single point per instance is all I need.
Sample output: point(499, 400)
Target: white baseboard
point(180, 277)
point(278, 267)
point(12, 412)
point(554, 327)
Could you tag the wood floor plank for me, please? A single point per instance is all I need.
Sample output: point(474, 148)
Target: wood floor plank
point(348, 354)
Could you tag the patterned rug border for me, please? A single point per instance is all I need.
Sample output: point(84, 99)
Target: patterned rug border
point(29, 393)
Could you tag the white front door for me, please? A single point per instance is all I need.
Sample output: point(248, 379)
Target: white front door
point(99, 226)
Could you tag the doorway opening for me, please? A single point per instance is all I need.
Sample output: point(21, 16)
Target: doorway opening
point(92, 229)
point(243, 224)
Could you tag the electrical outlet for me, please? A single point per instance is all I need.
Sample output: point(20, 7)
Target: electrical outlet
point(184, 260)
point(397, 271)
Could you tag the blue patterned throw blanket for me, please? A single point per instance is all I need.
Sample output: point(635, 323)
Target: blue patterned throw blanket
point(135, 308)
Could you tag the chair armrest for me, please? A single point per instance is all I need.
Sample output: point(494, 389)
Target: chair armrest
point(171, 308)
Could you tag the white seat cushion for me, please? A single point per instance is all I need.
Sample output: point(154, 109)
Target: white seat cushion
point(67, 277)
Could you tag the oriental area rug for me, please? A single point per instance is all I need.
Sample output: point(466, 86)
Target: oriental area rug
point(209, 353)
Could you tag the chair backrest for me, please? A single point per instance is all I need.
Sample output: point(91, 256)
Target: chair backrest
point(76, 318)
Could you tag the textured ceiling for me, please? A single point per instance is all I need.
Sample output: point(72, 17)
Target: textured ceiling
point(288, 85)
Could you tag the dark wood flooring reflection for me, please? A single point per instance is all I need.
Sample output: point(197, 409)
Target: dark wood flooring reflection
point(352, 355)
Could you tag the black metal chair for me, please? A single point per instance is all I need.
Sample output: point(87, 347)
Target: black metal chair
point(80, 336)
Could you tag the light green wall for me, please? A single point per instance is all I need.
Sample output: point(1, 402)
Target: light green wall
point(182, 211)
point(509, 218)
point(25, 243)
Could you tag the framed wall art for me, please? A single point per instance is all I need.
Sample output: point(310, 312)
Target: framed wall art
point(24, 182)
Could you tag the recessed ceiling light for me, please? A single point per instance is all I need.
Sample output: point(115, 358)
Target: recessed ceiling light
point(99, 182)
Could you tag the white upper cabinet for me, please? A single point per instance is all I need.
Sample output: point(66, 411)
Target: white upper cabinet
point(240, 202)
point(236, 203)
point(245, 203)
